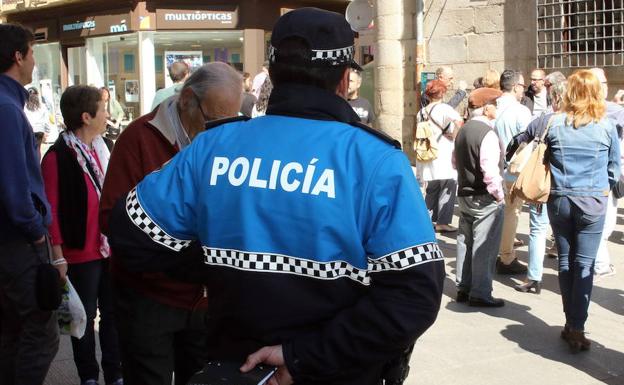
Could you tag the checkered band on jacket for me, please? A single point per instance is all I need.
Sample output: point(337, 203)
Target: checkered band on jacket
point(276, 263)
point(145, 223)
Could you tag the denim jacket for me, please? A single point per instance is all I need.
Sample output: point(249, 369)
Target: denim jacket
point(584, 161)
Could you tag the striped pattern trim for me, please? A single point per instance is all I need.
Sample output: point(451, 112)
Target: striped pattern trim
point(139, 217)
point(334, 57)
point(276, 263)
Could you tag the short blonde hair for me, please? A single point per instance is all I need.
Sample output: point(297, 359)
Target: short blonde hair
point(491, 79)
point(584, 100)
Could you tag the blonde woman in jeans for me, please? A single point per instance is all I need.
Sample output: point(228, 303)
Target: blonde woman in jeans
point(584, 156)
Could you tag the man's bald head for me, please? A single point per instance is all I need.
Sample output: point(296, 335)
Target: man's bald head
point(538, 80)
point(178, 71)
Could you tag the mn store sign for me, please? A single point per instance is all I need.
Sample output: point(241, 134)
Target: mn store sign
point(196, 19)
point(88, 25)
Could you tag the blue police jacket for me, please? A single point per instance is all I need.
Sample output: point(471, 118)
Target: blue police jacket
point(313, 231)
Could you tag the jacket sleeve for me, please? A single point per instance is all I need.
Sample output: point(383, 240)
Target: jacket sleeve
point(50, 178)
point(406, 269)
point(125, 170)
point(613, 165)
point(151, 225)
point(457, 98)
point(14, 184)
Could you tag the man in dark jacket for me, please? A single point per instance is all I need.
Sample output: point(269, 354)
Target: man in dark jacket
point(320, 257)
point(29, 339)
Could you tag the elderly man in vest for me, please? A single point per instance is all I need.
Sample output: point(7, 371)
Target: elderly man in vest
point(479, 163)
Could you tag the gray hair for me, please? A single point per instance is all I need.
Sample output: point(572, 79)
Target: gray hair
point(555, 77)
point(212, 77)
point(557, 90)
point(443, 70)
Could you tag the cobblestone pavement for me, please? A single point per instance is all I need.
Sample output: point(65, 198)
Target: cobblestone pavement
point(518, 344)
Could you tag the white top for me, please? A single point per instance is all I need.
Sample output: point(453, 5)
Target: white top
point(39, 119)
point(442, 167)
point(511, 118)
point(540, 103)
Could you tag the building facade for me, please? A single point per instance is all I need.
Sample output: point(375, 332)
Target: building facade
point(127, 46)
point(472, 36)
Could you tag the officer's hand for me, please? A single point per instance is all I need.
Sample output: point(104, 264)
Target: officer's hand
point(270, 355)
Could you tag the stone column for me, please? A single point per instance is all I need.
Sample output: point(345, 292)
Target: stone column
point(253, 50)
point(395, 101)
point(147, 71)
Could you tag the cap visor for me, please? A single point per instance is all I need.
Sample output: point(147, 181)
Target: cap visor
point(356, 66)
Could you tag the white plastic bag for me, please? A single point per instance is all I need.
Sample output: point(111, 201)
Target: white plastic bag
point(71, 315)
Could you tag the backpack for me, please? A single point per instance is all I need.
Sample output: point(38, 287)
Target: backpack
point(425, 143)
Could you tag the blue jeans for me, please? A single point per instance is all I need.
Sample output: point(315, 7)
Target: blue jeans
point(538, 228)
point(577, 235)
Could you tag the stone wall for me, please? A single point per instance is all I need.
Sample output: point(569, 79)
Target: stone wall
point(472, 36)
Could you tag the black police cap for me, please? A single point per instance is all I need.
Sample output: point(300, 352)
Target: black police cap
point(328, 35)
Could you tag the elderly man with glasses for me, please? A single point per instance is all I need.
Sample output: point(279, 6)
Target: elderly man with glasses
point(152, 350)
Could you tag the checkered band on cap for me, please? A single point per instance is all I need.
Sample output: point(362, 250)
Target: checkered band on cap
point(140, 218)
point(332, 57)
point(276, 263)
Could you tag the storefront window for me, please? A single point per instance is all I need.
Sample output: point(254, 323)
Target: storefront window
point(113, 62)
point(46, 76)
point(195, 48)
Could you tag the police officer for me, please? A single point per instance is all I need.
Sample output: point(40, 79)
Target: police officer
point(319, 253)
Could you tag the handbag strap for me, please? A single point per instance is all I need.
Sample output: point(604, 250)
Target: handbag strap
point(550, 120)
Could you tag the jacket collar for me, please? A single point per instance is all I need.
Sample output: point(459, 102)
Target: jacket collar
point(310, 102)
point(162, 122)
point(15, 91)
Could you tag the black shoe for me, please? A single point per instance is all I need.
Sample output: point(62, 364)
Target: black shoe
point(462, 296)
point(490, 302)
point(529, 286)
point(514, 267)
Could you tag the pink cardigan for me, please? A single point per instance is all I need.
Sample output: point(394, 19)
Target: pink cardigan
point(91, 251)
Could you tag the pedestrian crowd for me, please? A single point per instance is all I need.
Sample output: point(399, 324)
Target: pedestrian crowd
point(480, 165)
point(261, 220)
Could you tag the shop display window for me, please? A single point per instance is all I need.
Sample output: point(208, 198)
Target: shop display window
point(46, 77)
point(195, 48)
point(114, 63)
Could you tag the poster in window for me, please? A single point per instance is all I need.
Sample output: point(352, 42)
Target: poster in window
point(132, 91)
point(193, 59)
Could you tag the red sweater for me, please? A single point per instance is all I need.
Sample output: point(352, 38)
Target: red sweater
point(91, 251)
point(141, 149)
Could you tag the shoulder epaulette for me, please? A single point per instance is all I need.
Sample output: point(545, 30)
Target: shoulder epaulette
point(381, 135)
point(218, 122)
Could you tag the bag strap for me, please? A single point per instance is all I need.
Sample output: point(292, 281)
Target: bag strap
point(550, 120)
point(444, 129)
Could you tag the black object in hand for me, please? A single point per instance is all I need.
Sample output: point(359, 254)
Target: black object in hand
point(228, 373)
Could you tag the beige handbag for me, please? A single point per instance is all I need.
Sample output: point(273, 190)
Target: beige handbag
point(533, 183)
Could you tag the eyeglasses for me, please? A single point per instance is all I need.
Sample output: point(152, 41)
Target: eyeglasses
point(199, 104)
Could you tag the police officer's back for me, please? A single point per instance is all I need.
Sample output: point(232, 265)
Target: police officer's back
point(316, 238)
